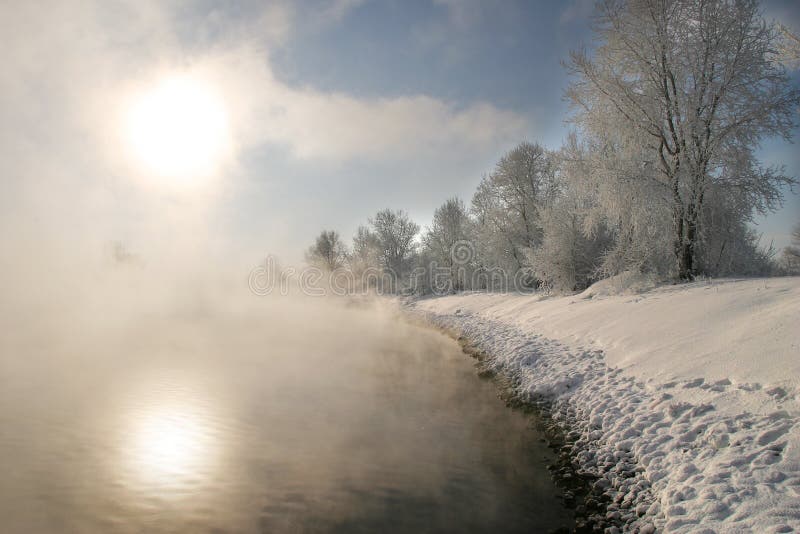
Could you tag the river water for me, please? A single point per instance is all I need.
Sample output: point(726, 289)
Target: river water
point(294, 418)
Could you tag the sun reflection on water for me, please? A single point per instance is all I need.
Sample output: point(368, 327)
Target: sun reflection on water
point(171, 444)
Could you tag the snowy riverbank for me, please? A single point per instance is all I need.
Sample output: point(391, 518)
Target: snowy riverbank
point(684, 399)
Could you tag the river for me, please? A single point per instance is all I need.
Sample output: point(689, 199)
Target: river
point(290, 418)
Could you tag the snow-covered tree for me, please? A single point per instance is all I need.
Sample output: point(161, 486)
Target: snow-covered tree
point(394, 234)
point(575, 237)
point(789, 49)
point(506, 206)
point(791, 254)
point(695, 85)
point(366, 250)
point(607, 180)
point(448, 242)
point(730, 244)
point(328, 251)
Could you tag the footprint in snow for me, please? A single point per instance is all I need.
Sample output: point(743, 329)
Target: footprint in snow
point(719, 385)
point(777, 393)
point(702, 409)
point(696, 383)
point(768, 436)
point(677, 408)
point(749, 386)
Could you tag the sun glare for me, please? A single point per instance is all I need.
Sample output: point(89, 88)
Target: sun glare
point(178, 131)
point(169, 445)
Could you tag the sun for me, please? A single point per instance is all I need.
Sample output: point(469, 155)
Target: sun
point(177, 131)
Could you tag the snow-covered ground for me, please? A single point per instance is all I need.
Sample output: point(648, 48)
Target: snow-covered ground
point(685, 398)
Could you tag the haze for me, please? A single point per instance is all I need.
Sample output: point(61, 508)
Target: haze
point(158, 156)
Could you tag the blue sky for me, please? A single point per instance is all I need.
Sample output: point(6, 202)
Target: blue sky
point(336, 108)
point(507, 53)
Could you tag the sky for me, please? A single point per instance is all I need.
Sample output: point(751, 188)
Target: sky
point(330, 111)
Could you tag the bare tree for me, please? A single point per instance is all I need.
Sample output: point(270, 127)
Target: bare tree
point(698, 85)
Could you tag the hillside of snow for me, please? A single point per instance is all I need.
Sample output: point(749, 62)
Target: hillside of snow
point(686, 398)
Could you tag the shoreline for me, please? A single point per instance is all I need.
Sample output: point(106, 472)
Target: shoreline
point(580, 491)
point(596, 507)
point(672, 455)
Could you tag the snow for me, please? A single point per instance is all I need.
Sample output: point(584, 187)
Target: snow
point(685, 397)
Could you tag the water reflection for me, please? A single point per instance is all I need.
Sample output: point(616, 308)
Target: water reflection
point(170, 443)
point(319, 422)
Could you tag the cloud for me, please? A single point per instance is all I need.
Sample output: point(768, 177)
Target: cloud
point(67, 187)
point(336, 126)
point(84, 57)
point(271, 24)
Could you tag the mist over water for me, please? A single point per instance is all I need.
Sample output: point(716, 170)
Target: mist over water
point(276, 414)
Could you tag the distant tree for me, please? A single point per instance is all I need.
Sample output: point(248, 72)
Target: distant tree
point(789, 49)
point(394, 234)
point(121, 254)
point(366, 249)
point(328, 251)
point(730, 244)
point(576, 240)
point(495, 236)
point(696, 85)
point(568, 258)
point(791, 254)
point(448, 241)
point(507, 203)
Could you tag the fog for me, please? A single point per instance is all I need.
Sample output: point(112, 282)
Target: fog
point(154, 153)
point(133, 402)
point(143, 386)
point(73, 181)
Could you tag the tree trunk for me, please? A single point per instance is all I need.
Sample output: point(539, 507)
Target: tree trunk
point(692, 224)
point(686, 259)
point(680, 246)
point(682, 253)
point(686, 246)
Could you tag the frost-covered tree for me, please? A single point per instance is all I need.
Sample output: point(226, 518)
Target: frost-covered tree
point(328, 251)
point(607, 179)
point(569, 257)
point(366, 250)
point(730, 244)
point(575, 238)
point(506, 206)
point(789, 49)
point(791, 254)
point(495, 238)
point(364, 260)
point(695, 85)
point(394, 234)
point(448, 243)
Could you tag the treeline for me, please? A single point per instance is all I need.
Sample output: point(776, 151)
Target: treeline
point(659, 177)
